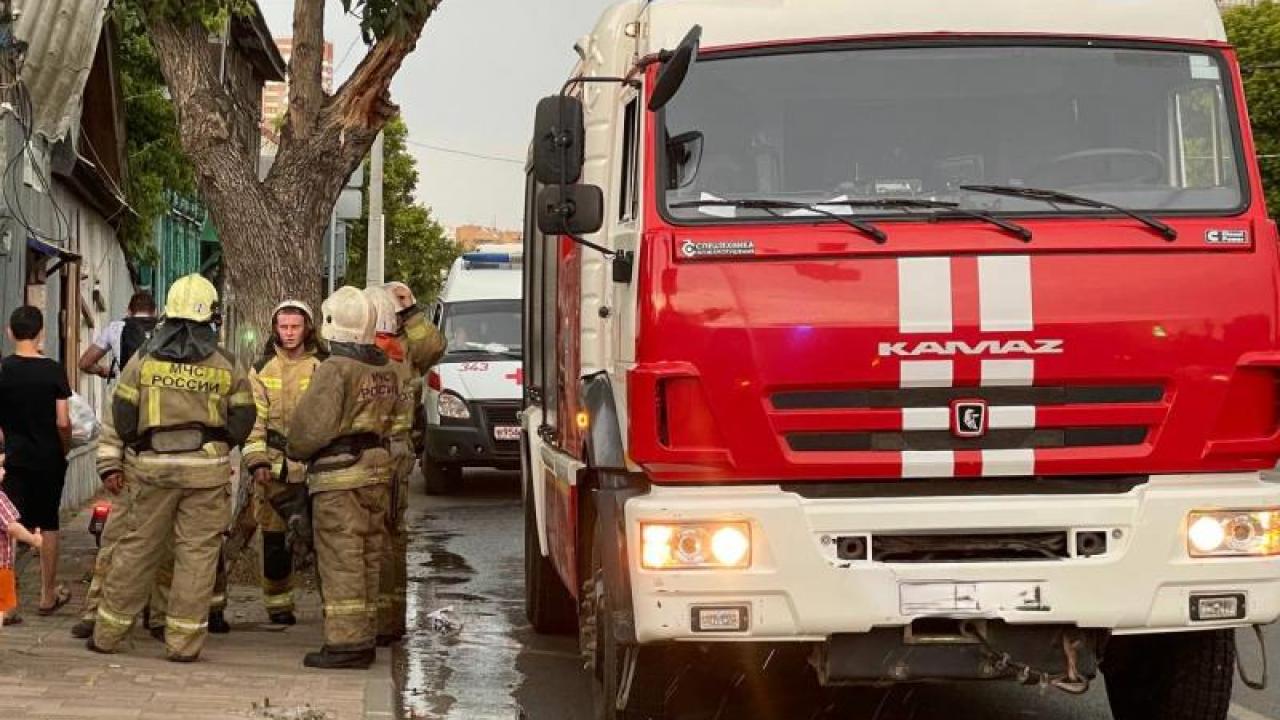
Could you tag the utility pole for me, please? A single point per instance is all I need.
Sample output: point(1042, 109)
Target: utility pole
point(374, 265)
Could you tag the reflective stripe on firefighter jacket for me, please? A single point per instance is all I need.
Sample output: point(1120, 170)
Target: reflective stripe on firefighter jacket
point(201, 408)
point(278, 385)
point(355, 392)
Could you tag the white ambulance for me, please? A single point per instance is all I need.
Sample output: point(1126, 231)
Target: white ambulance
point(473, 396)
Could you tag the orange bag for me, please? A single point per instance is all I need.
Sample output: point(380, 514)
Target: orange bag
point(8, 590)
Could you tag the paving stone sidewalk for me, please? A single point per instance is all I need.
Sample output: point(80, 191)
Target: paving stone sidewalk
point(253, 672)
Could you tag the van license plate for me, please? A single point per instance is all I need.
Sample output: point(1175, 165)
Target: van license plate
point(506, 432)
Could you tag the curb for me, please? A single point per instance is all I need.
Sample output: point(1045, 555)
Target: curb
point(378, 699)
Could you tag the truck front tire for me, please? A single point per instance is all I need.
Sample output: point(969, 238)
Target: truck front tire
point(608, 656)
point(1171, 676)
point(547, 602)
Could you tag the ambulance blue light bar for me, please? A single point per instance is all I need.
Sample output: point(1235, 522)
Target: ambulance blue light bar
point(490, 259)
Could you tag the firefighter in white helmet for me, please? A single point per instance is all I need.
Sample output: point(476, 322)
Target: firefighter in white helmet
point(342, 429)
point(279, 380)
point(179, 408)
point(394, 576)
point(423, 343)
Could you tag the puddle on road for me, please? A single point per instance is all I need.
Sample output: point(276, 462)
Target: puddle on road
point(472, 674)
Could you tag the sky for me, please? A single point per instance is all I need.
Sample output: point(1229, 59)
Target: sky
point(471, 86)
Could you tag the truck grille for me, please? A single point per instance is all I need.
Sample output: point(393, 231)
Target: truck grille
point(941, 397)
point(943, 440)
point(917, 419)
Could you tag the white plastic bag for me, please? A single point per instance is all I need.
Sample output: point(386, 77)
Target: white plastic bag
point(85, 427)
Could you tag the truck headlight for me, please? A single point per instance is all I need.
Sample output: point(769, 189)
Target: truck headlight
point(1233, 533)
point(452, 406)
point(685, 546)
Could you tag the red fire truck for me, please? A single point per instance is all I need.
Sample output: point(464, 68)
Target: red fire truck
point(936, 341)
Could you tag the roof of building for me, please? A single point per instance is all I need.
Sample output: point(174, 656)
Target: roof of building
point(745, 22)
point(62, 38)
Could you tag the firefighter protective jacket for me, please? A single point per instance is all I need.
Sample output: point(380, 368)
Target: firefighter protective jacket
point(278, 386)
point(346, 419)
point(423, 342)
point(180, 406)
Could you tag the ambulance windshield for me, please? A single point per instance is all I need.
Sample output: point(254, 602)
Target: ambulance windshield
point(483, 326)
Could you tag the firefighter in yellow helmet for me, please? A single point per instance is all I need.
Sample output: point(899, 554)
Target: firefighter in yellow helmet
point(394, 577)
point(342, 429)
point(279, 380)
point(179, 408)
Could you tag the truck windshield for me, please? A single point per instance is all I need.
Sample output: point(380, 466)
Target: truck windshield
point(1147, 129)
point(483, 326)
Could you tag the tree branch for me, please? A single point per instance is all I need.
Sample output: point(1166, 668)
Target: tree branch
point(364, 100)
point(306, 67)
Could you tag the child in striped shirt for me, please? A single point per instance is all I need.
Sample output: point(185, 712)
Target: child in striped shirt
point(11, 531)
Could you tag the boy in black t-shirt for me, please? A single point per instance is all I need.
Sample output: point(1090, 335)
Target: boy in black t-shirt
point(36, 423)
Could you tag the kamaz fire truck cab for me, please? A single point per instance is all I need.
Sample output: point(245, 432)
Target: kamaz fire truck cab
point(936, 341)
point(473, 395)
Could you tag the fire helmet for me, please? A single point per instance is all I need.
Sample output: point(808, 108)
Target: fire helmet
point(349, 317)
point(384, 304)
point(402, 294)
point(191, 297)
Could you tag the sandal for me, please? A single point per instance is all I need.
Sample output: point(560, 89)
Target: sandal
point(61, 596)
point(11, 618)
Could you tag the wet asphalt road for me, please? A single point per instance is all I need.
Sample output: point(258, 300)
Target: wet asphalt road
point(466, 553)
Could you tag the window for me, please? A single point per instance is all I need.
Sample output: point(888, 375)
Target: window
point(541, 270)
point(628, 185)
point(1203, 143)
point(1148, 128)
point(534, 247)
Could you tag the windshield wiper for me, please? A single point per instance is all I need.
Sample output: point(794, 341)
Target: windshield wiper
point(1056, 196)
point(771, 206)
point(954, 209)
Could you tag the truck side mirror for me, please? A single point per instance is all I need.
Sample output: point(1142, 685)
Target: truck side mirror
point(675, 67)
point(570, 210)
point(684, 155)
point(558, 135)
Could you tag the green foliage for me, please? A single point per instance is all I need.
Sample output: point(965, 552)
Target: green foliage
point(417, 251)
point(1255, 31)
point(379, 18)
point(213, 14)
point(156, 161)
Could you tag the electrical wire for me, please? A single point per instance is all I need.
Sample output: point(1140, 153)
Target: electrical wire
point(465, 153)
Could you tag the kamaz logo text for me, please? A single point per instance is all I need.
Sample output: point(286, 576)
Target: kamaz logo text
point(951, 348)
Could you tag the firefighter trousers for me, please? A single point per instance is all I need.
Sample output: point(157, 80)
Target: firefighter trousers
point(116, 523)
point(277, 557)
point(350, 528)
point(393, 579)
point(190, 521)
point(158, 603)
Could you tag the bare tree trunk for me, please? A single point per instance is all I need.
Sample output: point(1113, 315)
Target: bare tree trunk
point(271, 231)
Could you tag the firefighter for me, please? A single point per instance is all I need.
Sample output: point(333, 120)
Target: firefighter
point(179, 408)
point(109, 452)
point(393, 578)
point(342, 429)
point(279, 380)
point(423, 343)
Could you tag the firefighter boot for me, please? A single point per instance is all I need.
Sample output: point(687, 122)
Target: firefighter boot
point(218, 624)
point(327, 659)
point(82, 630)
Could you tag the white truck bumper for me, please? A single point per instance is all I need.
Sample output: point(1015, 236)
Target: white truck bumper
point(796, 588)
